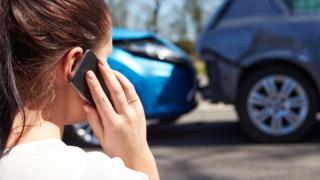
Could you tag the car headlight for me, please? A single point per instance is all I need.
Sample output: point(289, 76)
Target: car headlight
point(152, 48)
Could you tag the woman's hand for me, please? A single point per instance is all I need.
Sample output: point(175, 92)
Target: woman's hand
point(121, 128)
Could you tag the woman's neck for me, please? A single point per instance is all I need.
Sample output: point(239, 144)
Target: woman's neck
point(36, 127)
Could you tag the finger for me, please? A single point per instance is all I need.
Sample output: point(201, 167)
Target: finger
point(116, 92)
point(94, 121)
point(102, 102)
point(128, 88)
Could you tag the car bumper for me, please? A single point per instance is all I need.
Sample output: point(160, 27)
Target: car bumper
point(223, 82)
point(177, 95)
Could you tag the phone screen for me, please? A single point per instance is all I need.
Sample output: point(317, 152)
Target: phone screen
point(89, 62)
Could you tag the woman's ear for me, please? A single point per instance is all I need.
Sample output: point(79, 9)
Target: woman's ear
point(71, 60)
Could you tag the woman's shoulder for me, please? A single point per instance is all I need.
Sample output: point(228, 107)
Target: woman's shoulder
point(52, 157)
point(60, 161)
point(50, 151)
point(47, 147)
point(53, 152)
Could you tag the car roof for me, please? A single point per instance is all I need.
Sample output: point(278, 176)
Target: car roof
point(125, 34)
point(241, 9)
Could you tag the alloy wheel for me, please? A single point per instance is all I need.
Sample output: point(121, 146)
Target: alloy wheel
point(278, 105)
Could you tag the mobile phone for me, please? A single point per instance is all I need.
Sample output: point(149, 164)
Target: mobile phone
point(89, 62)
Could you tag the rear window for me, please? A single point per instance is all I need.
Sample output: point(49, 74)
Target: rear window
point(303, 6)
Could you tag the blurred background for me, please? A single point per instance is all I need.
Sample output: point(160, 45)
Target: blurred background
point(180, 21)
point(230, 88)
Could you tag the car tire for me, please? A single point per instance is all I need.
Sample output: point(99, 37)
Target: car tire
point(287, 115)
point(79, 135)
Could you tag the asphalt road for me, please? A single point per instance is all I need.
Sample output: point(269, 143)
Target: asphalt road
point(208, 144)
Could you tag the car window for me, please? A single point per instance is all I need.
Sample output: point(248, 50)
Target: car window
point(303, 6)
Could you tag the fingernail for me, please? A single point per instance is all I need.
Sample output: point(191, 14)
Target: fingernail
point(90, 75)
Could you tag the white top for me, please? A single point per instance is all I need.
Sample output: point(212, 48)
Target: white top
point(53, 160)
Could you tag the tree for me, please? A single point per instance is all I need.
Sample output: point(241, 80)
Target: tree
point(195, 9)
point(119, 12)
point(153, 22)
point(179, 25)
point(174, 19)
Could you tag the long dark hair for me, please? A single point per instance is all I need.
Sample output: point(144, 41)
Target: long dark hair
point(33, 34)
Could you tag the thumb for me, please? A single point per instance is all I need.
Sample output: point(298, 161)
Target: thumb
point(94, 121)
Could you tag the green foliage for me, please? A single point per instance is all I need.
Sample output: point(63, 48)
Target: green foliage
point(200, 68)
point(186, 45)
point(189, 47)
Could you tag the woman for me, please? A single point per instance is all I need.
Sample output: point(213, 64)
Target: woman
point(41, 42)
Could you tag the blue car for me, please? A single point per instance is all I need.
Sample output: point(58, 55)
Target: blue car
point(163, 75)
